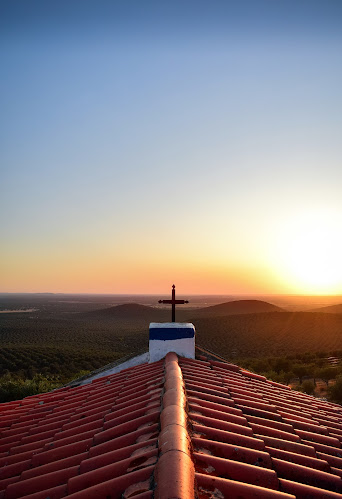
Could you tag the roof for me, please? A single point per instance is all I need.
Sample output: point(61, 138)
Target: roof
point(174, 428)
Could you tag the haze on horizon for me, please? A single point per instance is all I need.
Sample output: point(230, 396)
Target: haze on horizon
point(145, 143)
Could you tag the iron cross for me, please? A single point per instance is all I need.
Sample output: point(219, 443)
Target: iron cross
point(174, 302)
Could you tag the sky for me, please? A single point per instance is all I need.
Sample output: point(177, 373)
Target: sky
point(146, 143)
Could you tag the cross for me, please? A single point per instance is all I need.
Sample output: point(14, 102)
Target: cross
point(174, 302)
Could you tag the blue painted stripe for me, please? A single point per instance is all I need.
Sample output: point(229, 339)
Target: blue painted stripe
point(171, 333)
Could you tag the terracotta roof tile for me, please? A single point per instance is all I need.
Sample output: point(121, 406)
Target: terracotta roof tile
point(242, 472)
point(292, 457)
point(93, 463)
point(303, 491)
point(172, 429)
point(54, 466)
point(39, 483)
point(209, 486)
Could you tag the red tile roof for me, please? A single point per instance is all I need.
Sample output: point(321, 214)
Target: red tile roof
point(174, 428)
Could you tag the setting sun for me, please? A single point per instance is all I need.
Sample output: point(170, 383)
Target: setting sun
point(310, 253)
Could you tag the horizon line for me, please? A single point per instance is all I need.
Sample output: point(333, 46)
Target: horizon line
point(164, 294)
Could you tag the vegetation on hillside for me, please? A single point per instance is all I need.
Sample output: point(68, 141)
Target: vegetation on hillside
point(27, 362)
point(335, 391)
point(310, 372)
point(27, 371)
point(299, 366)
point(14, 387)
point(48, 348)
point(270, 334)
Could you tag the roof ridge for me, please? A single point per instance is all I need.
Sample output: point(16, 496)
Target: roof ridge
point(175, 470)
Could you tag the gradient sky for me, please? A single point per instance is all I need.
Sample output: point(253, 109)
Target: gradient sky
point(146, 142)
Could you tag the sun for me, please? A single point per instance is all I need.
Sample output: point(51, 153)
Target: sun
point(310, 253)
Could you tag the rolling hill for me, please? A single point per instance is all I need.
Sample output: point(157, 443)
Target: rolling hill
point(131, 312)
point(236, 308)
point(135, 312)
point(332, 309)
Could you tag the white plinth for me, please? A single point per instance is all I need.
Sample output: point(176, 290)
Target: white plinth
point(165, 337)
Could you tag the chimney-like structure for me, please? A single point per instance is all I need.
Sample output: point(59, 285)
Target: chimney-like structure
point(165, 337)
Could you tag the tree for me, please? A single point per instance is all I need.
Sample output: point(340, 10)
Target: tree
point(281, 365)
point(308, 387)
point(326, 373)
point(300, 370)
point(287, 376)
point(335, 391)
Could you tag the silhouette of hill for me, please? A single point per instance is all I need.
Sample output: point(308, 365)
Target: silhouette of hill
point(332, 309)
point(132, 312)
point(236, 308)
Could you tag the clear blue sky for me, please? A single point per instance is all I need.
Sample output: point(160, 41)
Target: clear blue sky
point(145, 140)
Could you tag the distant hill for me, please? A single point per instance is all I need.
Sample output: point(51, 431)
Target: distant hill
point(236, 308)
point(135, 313)
point(332, 309)
point(132, 312)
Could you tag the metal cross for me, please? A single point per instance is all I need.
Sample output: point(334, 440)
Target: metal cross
point(174, 302)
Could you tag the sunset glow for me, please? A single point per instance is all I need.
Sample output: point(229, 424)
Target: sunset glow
point(146, 143)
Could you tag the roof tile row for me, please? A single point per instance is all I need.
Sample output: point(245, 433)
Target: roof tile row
point(172, 427)
point(83, 438)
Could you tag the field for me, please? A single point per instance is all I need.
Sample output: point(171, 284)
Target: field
point(272, 334)
point(65, 344)
point(59, 338)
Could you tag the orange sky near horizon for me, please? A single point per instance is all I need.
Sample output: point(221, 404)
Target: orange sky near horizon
point(84, 273)
point(135, 280)
point(298, 253)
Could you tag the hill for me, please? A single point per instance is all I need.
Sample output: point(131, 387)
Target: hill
point(135, 312)
point(236, 308)
point(332, 309)
point(131, 312)
point(267, 334)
